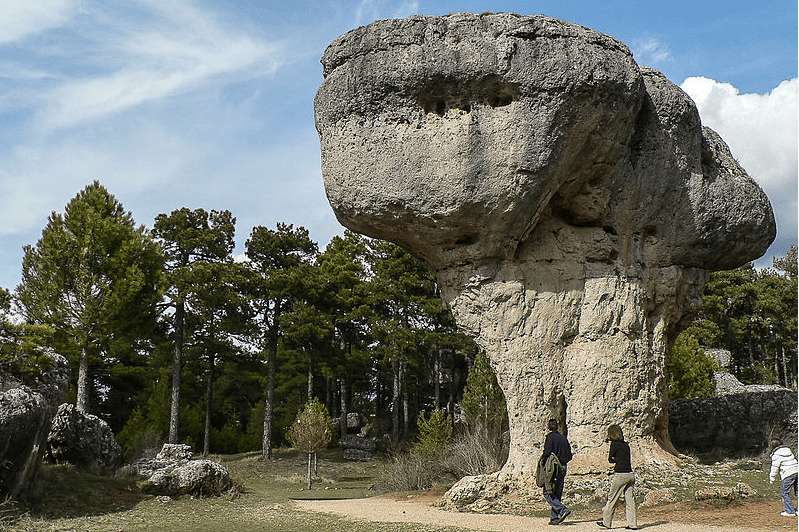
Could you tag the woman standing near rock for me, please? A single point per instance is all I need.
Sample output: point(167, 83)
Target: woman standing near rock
point(623, 480)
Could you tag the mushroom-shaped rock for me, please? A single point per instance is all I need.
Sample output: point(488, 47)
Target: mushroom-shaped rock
point(569, 200)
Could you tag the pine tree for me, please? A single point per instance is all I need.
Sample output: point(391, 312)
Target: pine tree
point(189, 238)
point(94, 278)
point(280, 260)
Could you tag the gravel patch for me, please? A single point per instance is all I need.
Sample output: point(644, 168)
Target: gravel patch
point(385, 510)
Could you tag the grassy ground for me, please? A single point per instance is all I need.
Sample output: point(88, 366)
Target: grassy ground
point(64, 499)
point(67, 500)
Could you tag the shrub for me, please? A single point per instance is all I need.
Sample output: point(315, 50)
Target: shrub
point(470, 453)
point(310, 432)
point(473, 454)
point(435, 432)
point(690, 370)
point(138, 438)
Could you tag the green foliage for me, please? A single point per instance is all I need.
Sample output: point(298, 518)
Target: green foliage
point(788, 263)
point(435, 432)
point(21, 352)
point(758, 374)
point(93, 277)
point(483, 401)
point(690, 370)
point(139, 438)
point(753, 314)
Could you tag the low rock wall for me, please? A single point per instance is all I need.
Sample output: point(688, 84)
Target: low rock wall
point(733, 425)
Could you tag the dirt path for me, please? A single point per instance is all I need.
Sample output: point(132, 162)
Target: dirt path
point(381, 509)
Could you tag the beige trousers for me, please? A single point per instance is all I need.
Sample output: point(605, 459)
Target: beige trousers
point(622, 483)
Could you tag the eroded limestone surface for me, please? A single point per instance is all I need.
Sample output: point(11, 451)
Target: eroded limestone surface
point(569, 200)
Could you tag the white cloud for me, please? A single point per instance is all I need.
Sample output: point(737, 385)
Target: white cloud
point(761, 131)
point(173, 49)
point(21, 18)
point(651, 52)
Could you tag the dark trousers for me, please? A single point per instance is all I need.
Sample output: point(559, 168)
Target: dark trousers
point(554, 497)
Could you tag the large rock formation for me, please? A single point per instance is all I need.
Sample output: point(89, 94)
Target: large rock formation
point(26, 412)
point(83, 440)
point(569, 200)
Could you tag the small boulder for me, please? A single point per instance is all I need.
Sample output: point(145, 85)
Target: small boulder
point(358, 447)
point(83, 440)
point(174, 452)
point(661, 496)
point(196, 477)
point(172, 472)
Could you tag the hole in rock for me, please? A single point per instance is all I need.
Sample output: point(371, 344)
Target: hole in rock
point(500, 100)
point(650, 230)
point(610, 230)
point(466, 240)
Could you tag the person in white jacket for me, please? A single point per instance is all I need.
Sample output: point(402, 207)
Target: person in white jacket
point(784, 462)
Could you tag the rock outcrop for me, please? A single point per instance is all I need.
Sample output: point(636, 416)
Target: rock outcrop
point(569, 200)
point(358, 447)
point(173, 472)
point(83, 440)
point(735, 423)
point(26, 413)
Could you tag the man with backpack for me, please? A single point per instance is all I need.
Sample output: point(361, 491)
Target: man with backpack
point(557, 453)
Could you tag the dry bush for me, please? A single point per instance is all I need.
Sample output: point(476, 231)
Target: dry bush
point(471, 453)
point(412, 471)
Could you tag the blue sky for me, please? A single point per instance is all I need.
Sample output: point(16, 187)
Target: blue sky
point(210, 103)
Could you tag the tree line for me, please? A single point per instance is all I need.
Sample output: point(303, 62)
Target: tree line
point(752, 314)
point(173, 338)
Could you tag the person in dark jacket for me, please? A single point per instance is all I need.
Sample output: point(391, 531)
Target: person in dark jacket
point(557, 444)
point(623, 480)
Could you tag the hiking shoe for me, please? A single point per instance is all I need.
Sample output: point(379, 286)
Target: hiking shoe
point(786, 514)
point(601, 524)
point(563, 516)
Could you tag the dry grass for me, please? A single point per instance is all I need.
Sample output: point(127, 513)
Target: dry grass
point(76, 501)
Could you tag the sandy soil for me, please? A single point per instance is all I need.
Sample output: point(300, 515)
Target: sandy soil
point(747, 517)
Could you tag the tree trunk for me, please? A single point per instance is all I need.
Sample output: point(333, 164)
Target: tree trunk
point(177, 368)
point(82, 403)
point(315, 465)
point(785, 379)
point(379, 400)
point(329, 397)
point(343, 418)
point(395, 405)
point(209, 391)
point(437, 378)
point(309, 470)
point(451, 392)
point(310, 375)
point(404, 388)
point(266, 451)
